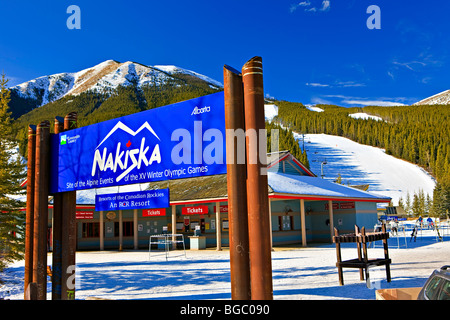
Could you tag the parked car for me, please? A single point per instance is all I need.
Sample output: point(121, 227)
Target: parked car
point(437, 286)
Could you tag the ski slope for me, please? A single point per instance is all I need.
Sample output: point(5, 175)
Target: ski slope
point(360, 164)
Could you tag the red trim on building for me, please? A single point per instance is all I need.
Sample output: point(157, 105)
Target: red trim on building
point(274, 196)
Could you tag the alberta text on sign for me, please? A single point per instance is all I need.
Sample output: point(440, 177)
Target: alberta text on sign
point(132, 200)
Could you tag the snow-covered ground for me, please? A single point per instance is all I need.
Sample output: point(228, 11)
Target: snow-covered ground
point(270, 111)
point(360, 164)
point(298, 273)
point(313, 108)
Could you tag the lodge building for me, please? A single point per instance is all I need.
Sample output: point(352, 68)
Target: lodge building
point(303, 209)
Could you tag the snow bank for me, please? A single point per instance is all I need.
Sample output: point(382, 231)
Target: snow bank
point(270, 111)
point(364, 116)
point(316, 109)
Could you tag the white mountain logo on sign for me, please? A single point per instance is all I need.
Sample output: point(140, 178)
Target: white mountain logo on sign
point(121, 158)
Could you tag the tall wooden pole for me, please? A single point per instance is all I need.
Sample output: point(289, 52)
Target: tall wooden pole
point(236, 186)
point(218, 228)
point(29, 224)
point(257, 184)
point(42, 167)
point(57, 231)
point(69, 235)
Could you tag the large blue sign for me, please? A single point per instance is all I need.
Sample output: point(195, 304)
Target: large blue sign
point(182, 140)
point(148, 199)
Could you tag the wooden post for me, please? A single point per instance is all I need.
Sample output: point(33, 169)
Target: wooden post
point(365, 255)
point(386, 254)
point(174, 225)
point(257, 185)
point(57, 231)
point(303, 221)
point(358, 248)
point(218, 229)
point(236, 185)
point(339, 257)
point(120, 230)
point(31, 292)
point(270, 223)
point(135, 229)
point(29, 224)
point(331, 218)
point(102, 232)
point(69, 228)
point(42, 168)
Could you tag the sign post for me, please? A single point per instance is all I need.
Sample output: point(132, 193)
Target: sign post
point(30, 208)
point(69, 230)
point(57, 231)
point(236, 186)
point(257, 184)
point(41, 209)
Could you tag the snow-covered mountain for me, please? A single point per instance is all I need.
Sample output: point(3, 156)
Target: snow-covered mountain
point(105, 76)
point(440, 98)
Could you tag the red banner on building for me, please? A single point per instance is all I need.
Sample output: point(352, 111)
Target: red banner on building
point(223, 208)
point(347, 205)
point(194, 210)
point(84, 215)
point(154, 212)
point(335, 206)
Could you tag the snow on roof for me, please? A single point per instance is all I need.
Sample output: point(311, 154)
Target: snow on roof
point(313, 186)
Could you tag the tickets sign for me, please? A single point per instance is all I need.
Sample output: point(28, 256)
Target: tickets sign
point(194, 210)
point(154, 212)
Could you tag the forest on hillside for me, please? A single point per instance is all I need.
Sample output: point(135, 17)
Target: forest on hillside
point(419, 134)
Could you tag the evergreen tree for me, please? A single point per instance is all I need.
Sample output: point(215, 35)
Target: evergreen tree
point(12, 173)
point(408, 203)
point(416, 205)
point(429, 205)
point(400, 202)
point(441, 199)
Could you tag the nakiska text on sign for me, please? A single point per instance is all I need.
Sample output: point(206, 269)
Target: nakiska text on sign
point(182, 140)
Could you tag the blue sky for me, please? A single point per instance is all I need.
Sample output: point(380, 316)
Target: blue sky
point(314, 51)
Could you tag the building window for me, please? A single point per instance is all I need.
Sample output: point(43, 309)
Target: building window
point(128, 230)
point(91, 230)
point(285, 223)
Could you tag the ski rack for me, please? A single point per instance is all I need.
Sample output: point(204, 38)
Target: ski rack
point(163, 239)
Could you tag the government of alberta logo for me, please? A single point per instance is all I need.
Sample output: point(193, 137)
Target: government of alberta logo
point(63, 139)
